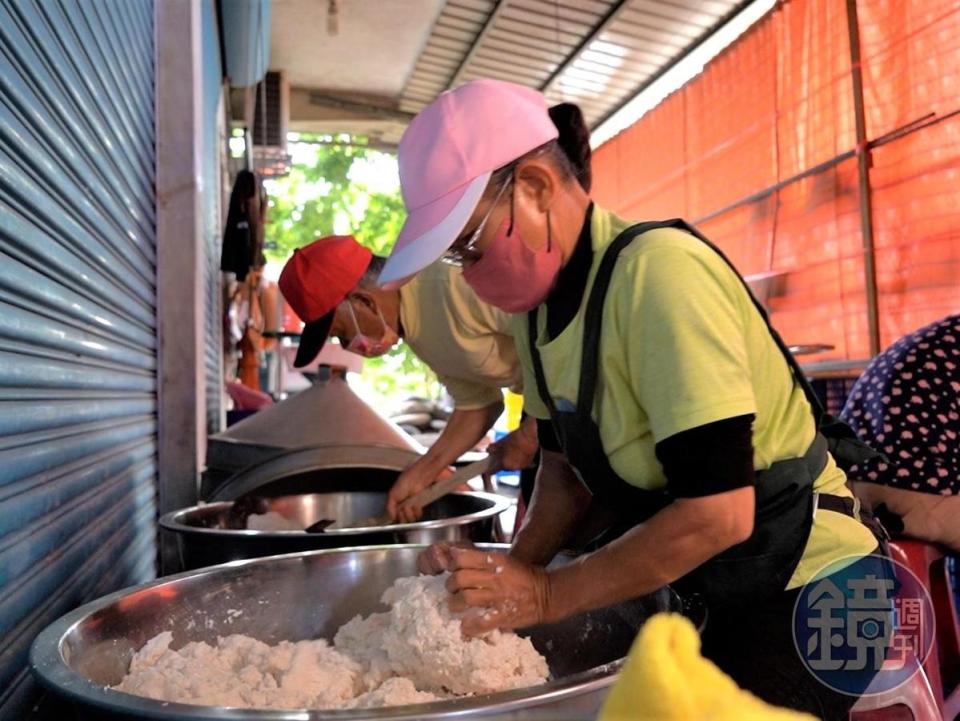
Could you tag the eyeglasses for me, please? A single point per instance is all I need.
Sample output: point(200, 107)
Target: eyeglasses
point(462, 250)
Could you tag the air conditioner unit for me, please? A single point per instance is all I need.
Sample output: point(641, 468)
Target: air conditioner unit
point(271, 117)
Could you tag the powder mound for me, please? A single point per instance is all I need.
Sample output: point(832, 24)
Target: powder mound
point(423, 641)
point(272, 521)
point(413, 653)
point(395, 691)
point(241, 671)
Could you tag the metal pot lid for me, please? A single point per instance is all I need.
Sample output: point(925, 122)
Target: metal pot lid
point(327, 413)
point(318, 457)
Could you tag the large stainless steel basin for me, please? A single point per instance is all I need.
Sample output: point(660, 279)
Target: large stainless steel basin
point(303, 596)
point(204, 536)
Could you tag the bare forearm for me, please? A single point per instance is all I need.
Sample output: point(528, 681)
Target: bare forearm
point(464, 428)
point(559, 501)
point(672, 543)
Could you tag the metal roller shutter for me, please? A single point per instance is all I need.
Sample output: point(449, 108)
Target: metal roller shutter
point(213, 352)
point(212, 212)
point(78, 366)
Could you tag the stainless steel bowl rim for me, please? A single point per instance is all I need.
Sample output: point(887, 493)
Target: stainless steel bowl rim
point(46, 658)
point(499, 504)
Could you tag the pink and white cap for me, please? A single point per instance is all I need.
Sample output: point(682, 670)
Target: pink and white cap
point(446, 157)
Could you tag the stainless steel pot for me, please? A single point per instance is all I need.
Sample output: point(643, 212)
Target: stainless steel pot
point(302, 596)
point(204, 538)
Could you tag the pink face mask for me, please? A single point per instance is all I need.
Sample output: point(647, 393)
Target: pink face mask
point(365, 345)
point(512, 277)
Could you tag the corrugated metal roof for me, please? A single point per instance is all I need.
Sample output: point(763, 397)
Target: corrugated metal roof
point(596, 53)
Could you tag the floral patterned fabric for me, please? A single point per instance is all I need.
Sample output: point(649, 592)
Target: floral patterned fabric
point(907, 404)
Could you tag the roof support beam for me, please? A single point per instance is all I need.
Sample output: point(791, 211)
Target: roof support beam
point(477, 43)
point(365, 109)
point(744, 7)
point(598, 30)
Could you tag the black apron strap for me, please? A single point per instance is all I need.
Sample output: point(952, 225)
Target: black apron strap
point(593, 316)
point(756, 569)
point(844, 445)
point(538, 374)
point(801, 379)
point(842, 441)
point(579, 436)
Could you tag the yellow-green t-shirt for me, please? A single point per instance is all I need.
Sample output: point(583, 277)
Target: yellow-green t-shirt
point(681, 346)
point(466, 342)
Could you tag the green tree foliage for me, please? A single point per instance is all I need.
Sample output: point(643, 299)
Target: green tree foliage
point(322, 196)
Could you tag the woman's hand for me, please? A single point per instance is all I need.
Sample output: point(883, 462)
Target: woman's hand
point(464, 428)
point(438, 558)
point(493, 590)
point(517, 449)
point(413, 480)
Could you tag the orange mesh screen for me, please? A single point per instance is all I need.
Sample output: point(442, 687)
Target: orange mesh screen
point(818, 244)
point(651, 181)
point(814, 94)
point(759, 150)
point(731, 126)
point(916, 210)
point(911, 61)
point(911, 66)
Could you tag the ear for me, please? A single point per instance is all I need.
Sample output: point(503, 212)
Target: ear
point(338, 324)
point(538, 181)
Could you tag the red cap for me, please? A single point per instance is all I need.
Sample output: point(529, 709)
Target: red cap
point(314, 282)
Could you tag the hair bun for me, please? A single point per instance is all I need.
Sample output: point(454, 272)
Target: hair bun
point(574, 140)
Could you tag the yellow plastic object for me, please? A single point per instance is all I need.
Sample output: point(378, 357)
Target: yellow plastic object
point(666, 679)
point(514, 404)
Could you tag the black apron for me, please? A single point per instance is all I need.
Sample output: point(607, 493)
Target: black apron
point(752, 571)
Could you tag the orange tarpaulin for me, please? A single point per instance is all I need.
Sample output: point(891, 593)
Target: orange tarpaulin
point(760, 151)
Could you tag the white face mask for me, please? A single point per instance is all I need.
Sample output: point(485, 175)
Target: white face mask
point(364, 345)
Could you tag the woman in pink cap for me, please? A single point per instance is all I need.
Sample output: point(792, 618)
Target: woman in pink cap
point(665, 402)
